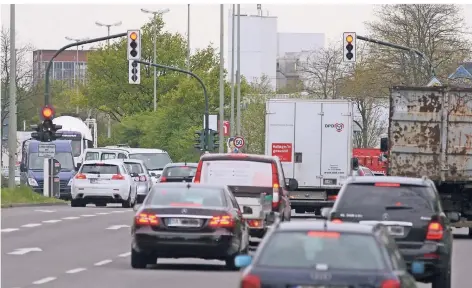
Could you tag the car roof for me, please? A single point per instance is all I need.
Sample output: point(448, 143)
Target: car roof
point(301, 225)
point(238, 156)
point(108, 161)
point(181, 164)
point(389, 179)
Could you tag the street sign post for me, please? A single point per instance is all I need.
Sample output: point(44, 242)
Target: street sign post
point(47, 150)
point(239, 142)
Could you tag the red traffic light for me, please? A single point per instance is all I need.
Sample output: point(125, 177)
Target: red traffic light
point(47, 112)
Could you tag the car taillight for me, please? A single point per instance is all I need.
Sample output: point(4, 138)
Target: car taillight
point(221, 221)
point(142, 178)
point(336, 221)
point(390, 283)
point(80, 176)
point(117, 177)
point(198, 173)
point(332, 197)
point(144, 219)
point(163, 179)
point(435, 231)
point(275, 188)
point(251, 281)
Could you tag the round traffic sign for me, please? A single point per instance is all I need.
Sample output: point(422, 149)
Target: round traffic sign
point(239, 142)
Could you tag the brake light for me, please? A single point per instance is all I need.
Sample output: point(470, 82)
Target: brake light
point(332, 197)
point(390, 283)
point(435, 231)
point(251, 281)
point(163, 179)
point(146, 219)
point(221, 221)
point(117, 177)
point(198, 173)
point(336, 221)
point(275, 188)
point(323, 234)
point(387, 184)
point(142, 178)
point(80, 176)
point(238, 155)
point(254, 223)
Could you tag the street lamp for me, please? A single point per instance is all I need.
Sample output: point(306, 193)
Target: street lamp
point(155, 13)
point(100, 24)
point(76, 67)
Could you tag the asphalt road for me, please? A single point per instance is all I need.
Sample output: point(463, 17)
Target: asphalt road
point(89, 247)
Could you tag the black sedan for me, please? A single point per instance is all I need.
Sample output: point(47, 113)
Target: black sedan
point(187, 220)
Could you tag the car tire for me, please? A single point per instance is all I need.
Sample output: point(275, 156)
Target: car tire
point(442, 280)
point(138, 260)
point(299, 211)
point(76, 203)
point(230, 263)
point(127, 203)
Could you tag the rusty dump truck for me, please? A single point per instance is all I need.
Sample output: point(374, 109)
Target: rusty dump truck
point(430, 134)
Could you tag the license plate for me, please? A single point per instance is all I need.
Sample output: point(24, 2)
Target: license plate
point(94, 180)
point(183, 222)
point(396, 230)
point(329, 181)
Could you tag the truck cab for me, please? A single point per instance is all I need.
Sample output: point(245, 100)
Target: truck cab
point(32, 166)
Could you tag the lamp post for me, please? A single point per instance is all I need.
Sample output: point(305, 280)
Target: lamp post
point(76, 67)
point(155, 14)
point(100, 24)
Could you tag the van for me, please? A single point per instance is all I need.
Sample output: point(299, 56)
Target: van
point(154, 159)
point(32, 166)
point(257, 182)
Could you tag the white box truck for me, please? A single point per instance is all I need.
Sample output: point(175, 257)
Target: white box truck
point(313, 139)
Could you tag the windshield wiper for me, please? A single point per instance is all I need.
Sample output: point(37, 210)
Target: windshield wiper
point(398, 207)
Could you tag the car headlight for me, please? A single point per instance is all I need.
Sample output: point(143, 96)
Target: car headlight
point(70, 182)
point(32, 182)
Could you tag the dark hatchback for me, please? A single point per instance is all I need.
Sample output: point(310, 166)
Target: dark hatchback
point(411, 210)
point(178, 172)
point(186, 220)
point(301, 254)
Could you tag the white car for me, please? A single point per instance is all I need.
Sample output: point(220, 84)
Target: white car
point(102, 182)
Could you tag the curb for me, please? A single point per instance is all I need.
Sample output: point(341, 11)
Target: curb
point(34, 204)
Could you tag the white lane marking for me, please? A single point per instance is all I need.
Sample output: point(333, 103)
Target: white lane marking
point(31, 225)
point(103, 213)
point(88, 215)
point(118, 211)
point(125, 254)
point(44, 280)
point(45, 211)
point(52, 221)
point(102, 262)
point(8, 230)
point(70, 218)
point(76, 270)
point(23, 251)
point(116, 227)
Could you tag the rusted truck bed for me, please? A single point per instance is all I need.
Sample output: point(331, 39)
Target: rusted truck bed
point(430, 133)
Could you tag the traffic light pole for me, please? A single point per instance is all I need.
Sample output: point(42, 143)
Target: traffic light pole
point(48, 69)
point(207, 121)
point(404, 48)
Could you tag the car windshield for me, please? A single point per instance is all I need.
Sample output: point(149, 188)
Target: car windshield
point(336, 250)
point(207, 197)
point(153, 161)
point(179, 171)
point(134, 168)
point(65, 159)
point(370, 201)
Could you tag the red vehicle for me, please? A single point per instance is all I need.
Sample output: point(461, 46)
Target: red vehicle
point(371, 158)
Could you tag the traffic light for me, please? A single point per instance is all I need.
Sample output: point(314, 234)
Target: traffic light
point(38, 135)
point(47, 131)
point(134, 45)
point(349, 44)
point(200, 140)
point(214, 141)
point(134, 75)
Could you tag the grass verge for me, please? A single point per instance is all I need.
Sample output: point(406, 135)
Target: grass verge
point(24, 195)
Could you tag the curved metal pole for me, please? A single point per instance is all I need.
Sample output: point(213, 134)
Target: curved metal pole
point(207, 122)
point(46, 77)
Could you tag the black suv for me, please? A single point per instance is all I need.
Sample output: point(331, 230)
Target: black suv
point(411, 210)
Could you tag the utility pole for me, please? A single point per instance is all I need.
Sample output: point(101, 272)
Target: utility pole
point(108, 45)
point(232, 124)
point(154, 40)
point(76, 68)
point(222, 79)
point(12, 107)
point(188, 38)
point(238, 75)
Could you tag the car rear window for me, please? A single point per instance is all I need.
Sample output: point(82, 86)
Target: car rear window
point(179, 171)
point(106, 156)
point(207, 197)
point(237, 172)
point(336, 250)
point(134, 168)
point(370, 201)
point(91, 156)
point(100, 169)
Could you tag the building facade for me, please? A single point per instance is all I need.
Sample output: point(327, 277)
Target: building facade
point(70, 66)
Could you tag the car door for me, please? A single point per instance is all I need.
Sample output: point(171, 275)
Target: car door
point(133, 184)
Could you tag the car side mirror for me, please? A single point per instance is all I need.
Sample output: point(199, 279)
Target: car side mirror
point(355, 163)
point(453, 216)
point(384, 144)
point(77, 167)
point(158, 176)
point(325, 212)
point(291, 184)
point(134, 174)
point(22, 167)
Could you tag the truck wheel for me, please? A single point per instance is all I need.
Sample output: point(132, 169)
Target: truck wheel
point(442, 280)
